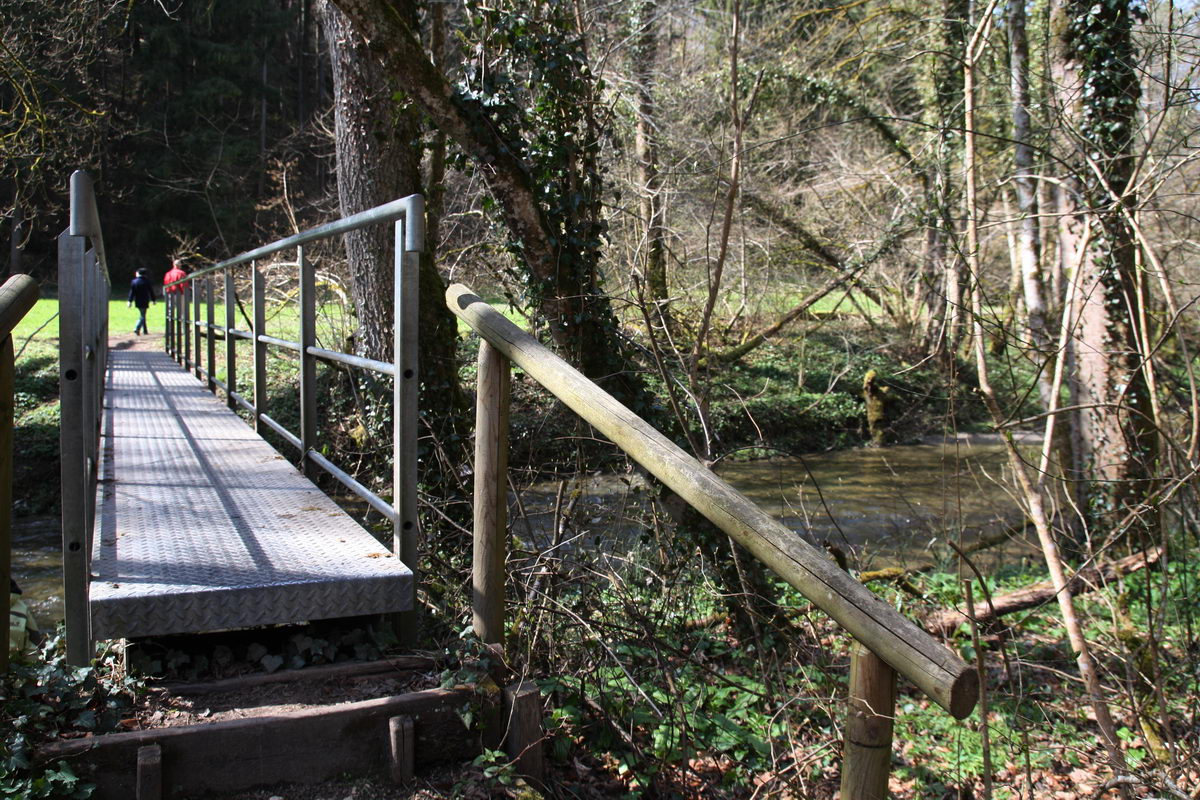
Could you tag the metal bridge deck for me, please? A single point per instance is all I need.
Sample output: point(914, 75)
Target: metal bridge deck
point(201, 525)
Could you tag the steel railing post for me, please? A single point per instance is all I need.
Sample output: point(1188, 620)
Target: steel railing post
point(260, 350)
point(92, 391)
point(230, 342)
point(186, 304)
point(308, 363)
point(197, 300)
point(406, 287)
point(73, 461)
point(168, 332)
point(210, 318)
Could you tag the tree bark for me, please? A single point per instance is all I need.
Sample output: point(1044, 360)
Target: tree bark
point(377, 163)
point(1113, 431)
point(580, 318)
point(378, 159)
point(644, 57)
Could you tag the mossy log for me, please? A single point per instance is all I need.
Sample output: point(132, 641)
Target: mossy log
point(945, 622)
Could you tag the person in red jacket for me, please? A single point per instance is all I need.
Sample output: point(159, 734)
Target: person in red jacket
point(175, 273)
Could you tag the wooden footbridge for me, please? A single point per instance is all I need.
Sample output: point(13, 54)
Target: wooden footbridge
point(178, 517)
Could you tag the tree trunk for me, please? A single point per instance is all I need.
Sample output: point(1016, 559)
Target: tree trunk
point(644, 57)
point(376, 164)
point(378, 161)
point(1113, 429)
point(580, 317)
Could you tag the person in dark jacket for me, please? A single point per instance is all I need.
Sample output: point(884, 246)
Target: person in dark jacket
point(141, 294)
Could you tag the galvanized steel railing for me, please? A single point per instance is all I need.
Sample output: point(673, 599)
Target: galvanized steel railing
point(17, 296)
point(191, 318)
point(83, 292)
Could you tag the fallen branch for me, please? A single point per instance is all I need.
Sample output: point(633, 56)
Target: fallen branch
point(946, 621)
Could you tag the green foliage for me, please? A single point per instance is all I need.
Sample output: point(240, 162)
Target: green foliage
point(43, 697)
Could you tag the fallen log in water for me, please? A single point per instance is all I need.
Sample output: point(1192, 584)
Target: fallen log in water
point(946, 621)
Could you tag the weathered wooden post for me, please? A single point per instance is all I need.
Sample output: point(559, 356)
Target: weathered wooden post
point(491, 493)
point(867, 753)
point(7, 368)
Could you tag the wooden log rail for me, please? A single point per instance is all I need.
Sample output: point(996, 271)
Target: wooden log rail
point(888, 643)
point(17, 296)
point(899, 642)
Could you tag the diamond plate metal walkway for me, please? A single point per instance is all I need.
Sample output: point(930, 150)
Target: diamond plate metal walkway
point(201, 525)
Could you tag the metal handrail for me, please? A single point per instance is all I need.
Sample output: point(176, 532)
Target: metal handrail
point(17, 296)
point(193, 298)
point(911, 651)
point(84, 288)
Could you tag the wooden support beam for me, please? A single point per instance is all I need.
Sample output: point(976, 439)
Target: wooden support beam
point(401, 749)
point(867, 753)
point(491, 494)
point(149, 772)
point(937, 671)
point(306, 746)
point(522, 711)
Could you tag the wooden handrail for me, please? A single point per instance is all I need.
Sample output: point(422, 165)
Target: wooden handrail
point(912, 652)
point(17, 296)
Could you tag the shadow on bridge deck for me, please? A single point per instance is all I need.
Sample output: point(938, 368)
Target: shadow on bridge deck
point(201, 525)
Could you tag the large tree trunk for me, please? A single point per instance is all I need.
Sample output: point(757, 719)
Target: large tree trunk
point(1113, 430)
point(376, 163)
point(579, 316)
point(379, 159)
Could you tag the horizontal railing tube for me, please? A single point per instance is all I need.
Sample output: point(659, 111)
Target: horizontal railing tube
point(243, 402)
point(375, 501)
point(353, 361)
point(411, 209)
point(912, 652)
point(279, 342)
point(282, 431)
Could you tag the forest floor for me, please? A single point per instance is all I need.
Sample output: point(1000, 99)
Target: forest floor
point(650, 690)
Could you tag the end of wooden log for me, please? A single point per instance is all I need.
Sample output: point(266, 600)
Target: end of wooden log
point(964, 693)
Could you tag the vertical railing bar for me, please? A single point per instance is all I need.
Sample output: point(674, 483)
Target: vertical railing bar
point(197, 299)
point(491, 494)
point(230, 342)
point(185, 302)
point(211, 341)
point(168, 322)
point(308, 363)
point(72, 464)
point(92, 396)
point(406, 328)
point(260, 349)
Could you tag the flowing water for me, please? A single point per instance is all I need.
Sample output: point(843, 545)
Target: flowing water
point(896, 505)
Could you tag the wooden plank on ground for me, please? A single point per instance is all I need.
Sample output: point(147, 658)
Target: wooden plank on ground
point(306, 746)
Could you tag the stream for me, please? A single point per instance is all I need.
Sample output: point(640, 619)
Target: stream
point(889, 506)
